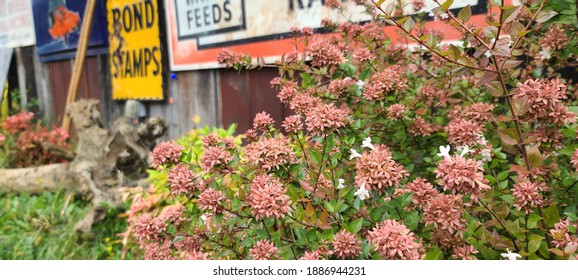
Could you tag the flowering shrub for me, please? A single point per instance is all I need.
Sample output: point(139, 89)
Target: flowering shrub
point(463, 151)
point(25, 144)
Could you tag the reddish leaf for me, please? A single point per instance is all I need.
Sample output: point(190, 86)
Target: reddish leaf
point(505, 136)
point(519, 169)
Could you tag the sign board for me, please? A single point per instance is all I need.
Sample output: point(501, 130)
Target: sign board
point(135, 49)
point(199, 29)
point(16, 24)
point(57, 24)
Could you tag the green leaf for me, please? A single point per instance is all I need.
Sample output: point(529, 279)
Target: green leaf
point(447, 4)
point(533, 221)
point(329, 206)
point(535, 156)
point(510, 13)
point(454, 52)
point(544, 16)
point(411, 220)
point(551, 215)
point(356, 225)
point(534, 242)
point(405, 200)
point(171, 229)
point(434, 253)
point(465, 13)
point(490, 32)
point(178, 239)
point(506, 136)
point(409, 24)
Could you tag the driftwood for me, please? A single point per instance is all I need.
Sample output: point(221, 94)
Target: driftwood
point(104, 159)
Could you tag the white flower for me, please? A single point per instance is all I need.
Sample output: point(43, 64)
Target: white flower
point(545, 54)
point(511, 256)
point(341, 186)
point(444, 151)
point(482, 140)
point(360, 84)
point(487, 155)
point(465, 150)
point(367, 143)
point(354, 154)
point(362, 193)
point(444, 16)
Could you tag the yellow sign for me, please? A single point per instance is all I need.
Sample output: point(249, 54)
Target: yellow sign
point(135, 49)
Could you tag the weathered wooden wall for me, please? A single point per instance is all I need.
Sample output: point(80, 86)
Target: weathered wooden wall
point(247, 93)
point(90, 82)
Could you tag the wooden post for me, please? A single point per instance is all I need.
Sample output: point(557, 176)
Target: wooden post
point(80, 57)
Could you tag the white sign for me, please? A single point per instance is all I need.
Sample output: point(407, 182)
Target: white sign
point(199, 29)
point(16, 24)
point(205, 17)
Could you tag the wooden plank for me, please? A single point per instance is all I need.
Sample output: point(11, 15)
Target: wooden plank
point(185, 101)
point(42, 76)
point(206, 98)
point(80, 56)
point(59, 73)
point(263, 97)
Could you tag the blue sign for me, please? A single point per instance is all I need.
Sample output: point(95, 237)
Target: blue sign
point(57, 24)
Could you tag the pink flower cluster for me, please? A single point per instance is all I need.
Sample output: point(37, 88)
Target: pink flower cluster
point(462, 176)
point(321, 252)
point(394, 241)
point(396, 111)
point(262, 121)
point(378, 170)
point(326, 118)
point(158, 250)
point(527, 196)
point(340, 87)
point(210, 200)
point(422, 191)
point(463, 132)
point(362, 55)
point(293, 124)
point(562, 237)
point(420, 127)
point(477, 112)
point(302, 103)
point(264, 250)
point(270, 153)
point(215, 159)
point(166, 153)
point(148, 227)
point(323, 52)
point(464, 252)
point(18, 122)
point(554, 39)
point(389, 80)
point(287, 92)
point(267, 197)
point(545, 100)
point(181, 179)
point(228, 57)
point(346, 245)
point(445, 213)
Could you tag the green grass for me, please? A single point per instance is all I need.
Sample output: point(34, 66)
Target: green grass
point(36, 227)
